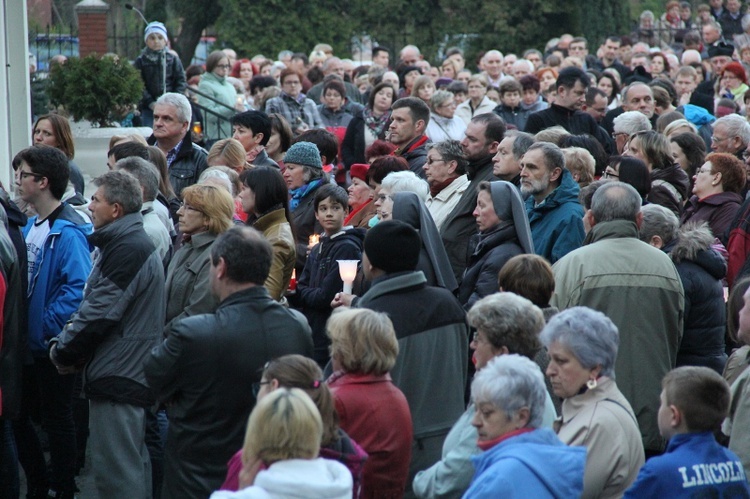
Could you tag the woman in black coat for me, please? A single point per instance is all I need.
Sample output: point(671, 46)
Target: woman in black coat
point(504, 232)
point(701, 270)
point(368, 125)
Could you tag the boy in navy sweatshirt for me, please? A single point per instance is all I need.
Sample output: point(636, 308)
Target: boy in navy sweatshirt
point(694, 402)
point(320, 280)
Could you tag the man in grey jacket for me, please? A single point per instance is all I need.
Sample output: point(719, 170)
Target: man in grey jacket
point(110, 335)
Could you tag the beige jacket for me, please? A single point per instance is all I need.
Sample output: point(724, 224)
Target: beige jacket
point(441, 205)
point(603, 421)
point(277, 230)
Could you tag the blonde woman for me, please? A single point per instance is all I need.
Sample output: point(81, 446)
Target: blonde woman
point(206, 212)
point(280, 453)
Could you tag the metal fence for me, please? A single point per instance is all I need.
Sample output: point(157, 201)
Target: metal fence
point(52, 41)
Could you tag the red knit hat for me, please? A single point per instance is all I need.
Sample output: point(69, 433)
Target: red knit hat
point(736, 69)
point(359, 170)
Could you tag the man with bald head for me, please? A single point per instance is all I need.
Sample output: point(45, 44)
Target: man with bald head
point(493, 66)
point(691, 58)
point(334, 66)
point(410, 55)
point(635, 97)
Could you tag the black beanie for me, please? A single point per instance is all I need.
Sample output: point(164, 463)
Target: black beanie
point(393, 246)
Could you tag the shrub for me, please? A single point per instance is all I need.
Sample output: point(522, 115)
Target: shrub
point(95, 89)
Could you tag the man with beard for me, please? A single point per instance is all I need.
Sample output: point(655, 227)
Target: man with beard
point(555, 215)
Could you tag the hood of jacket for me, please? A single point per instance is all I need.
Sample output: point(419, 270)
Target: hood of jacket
point(352, 235)
point(302, 478)
point(697, 115)
point(693, 243)
point(566, 192)
point(556, 465)
point(676, 176)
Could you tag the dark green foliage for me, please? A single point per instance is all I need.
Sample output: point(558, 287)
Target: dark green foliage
point(510, 26)
point(94, 88)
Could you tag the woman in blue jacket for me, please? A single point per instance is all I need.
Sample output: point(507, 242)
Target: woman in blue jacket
point(519, 459)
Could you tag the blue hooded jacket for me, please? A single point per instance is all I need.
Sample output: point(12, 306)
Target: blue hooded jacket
point(557, 222)
point(56, 288)
point(531, 465)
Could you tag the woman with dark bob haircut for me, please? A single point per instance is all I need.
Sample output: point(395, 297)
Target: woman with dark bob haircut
point(281, 138)
point(265, 199)
point(688, 151)
point(631, 171)
point(368, 125)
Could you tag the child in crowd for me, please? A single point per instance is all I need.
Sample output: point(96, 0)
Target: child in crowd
point(510, 109)
point(161, 70)
point(531, 100)
point(694, 402)
point(320, 280)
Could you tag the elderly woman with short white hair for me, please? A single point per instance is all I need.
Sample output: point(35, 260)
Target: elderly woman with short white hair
point(505, 323)
point(519, 459)
point(582, 345)
point(444, 124)
point(406, 181)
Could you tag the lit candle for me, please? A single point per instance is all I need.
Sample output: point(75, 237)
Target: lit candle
point(293, 281)
point(314, 239)
point(348, 272)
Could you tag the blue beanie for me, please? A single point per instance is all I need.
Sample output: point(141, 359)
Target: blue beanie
point(155, 27)
point(304, 153)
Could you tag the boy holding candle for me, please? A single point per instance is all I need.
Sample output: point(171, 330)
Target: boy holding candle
point(320, 280)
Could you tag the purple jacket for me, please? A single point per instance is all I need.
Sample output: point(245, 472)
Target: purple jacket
point(718, 210)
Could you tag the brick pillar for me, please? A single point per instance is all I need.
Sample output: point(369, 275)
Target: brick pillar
point(92, 26)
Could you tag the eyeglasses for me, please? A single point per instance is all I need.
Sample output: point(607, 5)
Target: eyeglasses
point(223, 66)
point(22, 175)
point(616, 134)
point(715, 140)
point(610, 175)
point(430, 161)
point(704, 170)
point(256, 387)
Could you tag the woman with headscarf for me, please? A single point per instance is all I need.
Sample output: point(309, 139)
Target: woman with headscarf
point(504, 232)
point(433, 260)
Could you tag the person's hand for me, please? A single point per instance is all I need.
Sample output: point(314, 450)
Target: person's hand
point(342, 300)
point(61, 369)
point(685, 98)
point(249, 471)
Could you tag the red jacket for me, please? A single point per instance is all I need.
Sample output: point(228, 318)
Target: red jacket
point(374, 412)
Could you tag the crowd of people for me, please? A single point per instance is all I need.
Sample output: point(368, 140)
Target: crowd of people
point(550, 296)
